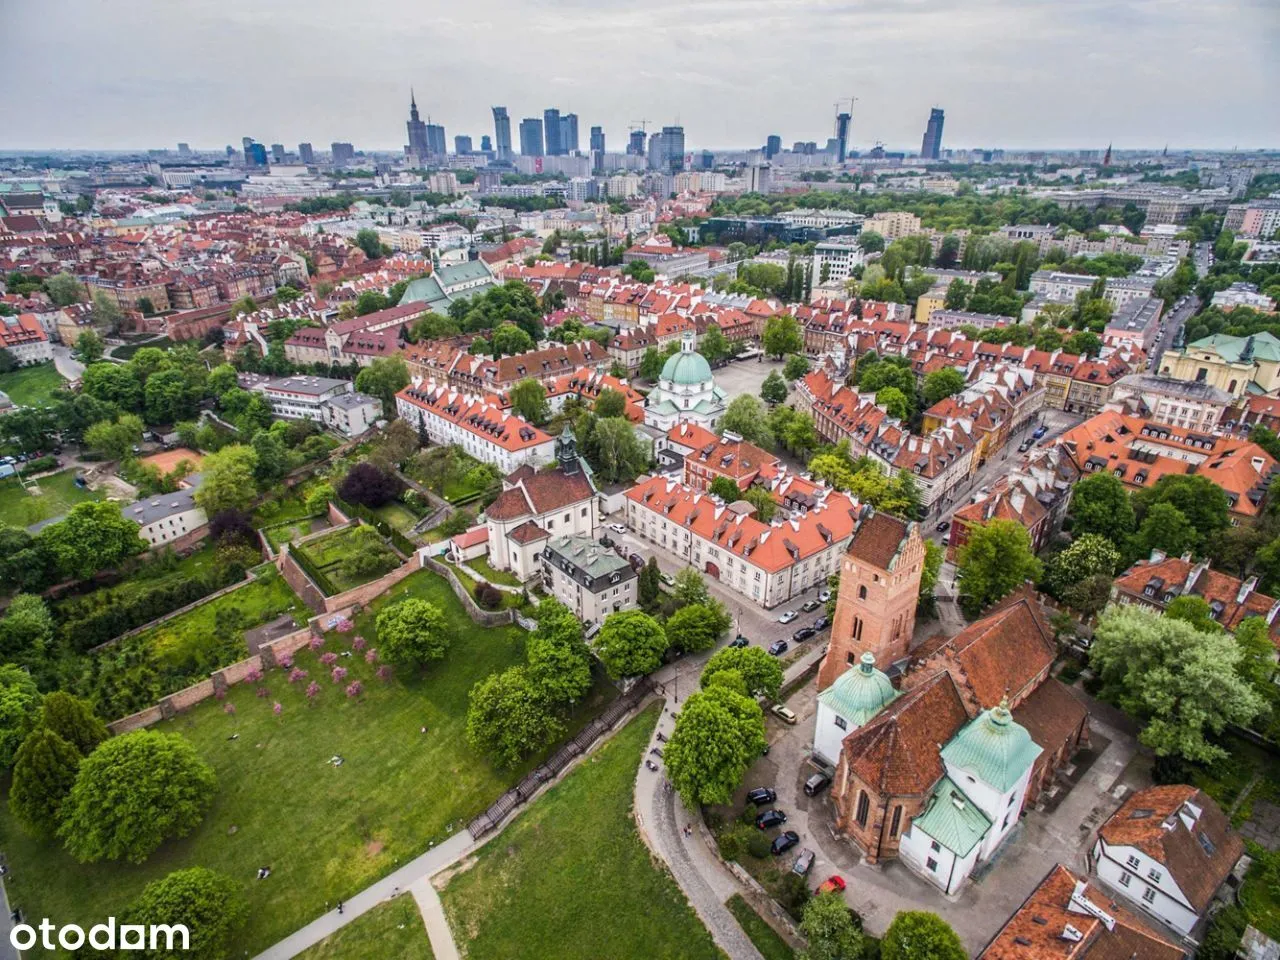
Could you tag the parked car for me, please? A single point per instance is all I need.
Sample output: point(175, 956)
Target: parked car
point(1040, 431)
point(816, 784)
point(668, 579)
point(761, 796)
point(835, 882)
point(636, 561)
point(1025, 445)
point(778, 647)
point(785, 714)
point(804, 633)
point(821, 624)
point(784, 842)
point(788, 616)
point(824, 596)
point(811, 605)
point(773, 817)
point(739, 641)
point(617, 528)
point(803, 863)
point(943, 526)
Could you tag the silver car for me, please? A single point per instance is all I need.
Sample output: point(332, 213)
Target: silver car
point(803, 863)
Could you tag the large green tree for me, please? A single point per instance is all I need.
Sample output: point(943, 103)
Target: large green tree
point(919, 935)
point(1200, 500)
point(507, 720)
point(1164, 527)
point(114, 440)
point(943, 383)
point(745, 416)
point(73, 720)
point(828, 926)
point(229, 480)
point(210, 905)
point(774, 388)
point(19, 707)
point(693, 628)
point(1100, 504)
point(43, 774)
point(133, 793)
point(529, 400)
point(384, 378)
point(1181, 682)
point(761, 673)
point(27, 628)
point(996, 560)
point(1087, 556)
point(412, 633)
point(782, 335)
point(94, 535)
point(717, 737)
point(616, 451)
point(559, 661)
point(630, 644)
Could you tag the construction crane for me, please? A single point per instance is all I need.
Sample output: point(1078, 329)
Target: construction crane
point(639, 123)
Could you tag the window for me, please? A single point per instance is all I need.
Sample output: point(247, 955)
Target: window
point(1125, 878)
point(932, 864)
point(864, 806)
point(1154, 875)
point(840, 722)
point(862, 591)
point(1132, 861)
point(933, 845)
point(1149, 895)
point(897, 821)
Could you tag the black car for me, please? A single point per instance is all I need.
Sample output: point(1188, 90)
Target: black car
point(778, 647)
point(784, 842)
point(942, 527)
point(770, 818)
point(739, 641)
point(821, 624)
point(816, 784)
point(761, 796)
point(804, 633)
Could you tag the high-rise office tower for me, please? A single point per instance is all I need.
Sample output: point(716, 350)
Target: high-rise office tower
point(551, 132)
point(597, 149)
point(931, 145)
point(502, 134)
point(635, 146)
point(246, 144)
point(184, 149)
point(772, 146)
point(277, 153)
point(255, 154)
point(417, 132)
point(486, 145)
point(231, 152)
point(531, 137)
point(341, 152)
point(842, 135)
point(306, 154)
point(672, 149)
point(461, 145)
point(435, 141)
point(758, 178)
point(569, 133)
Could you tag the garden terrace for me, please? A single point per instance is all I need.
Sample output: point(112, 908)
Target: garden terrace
point(345, 558)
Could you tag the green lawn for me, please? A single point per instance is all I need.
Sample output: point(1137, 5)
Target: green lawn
point(32, 386)
point(278, 509)
point(766, 939)
point(287, 532)
point(58, 494)
point(481, 566)
point(398, 515)
point(570, 878)
point(329, 553)
point(327, 832)
point(390, 930)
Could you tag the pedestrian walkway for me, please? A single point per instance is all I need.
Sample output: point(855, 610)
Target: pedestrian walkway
point(432, 910)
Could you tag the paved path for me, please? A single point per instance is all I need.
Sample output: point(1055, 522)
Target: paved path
point(7, 950)
point(406, 878)
point(432, 910)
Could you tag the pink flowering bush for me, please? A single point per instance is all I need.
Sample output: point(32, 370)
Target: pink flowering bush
point(371, 656)
point(316, 643)
point(296, 674)
point(329, 659)
point(253, 676)
point(313, 690)
point(276, 708)
point(358, 644)
point(339, 674)
point(263, 693)
point(384, 673)
point(285, 660)
point(345, 625)
point(354, 689)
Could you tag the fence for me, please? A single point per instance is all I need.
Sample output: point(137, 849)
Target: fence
point(523, 791)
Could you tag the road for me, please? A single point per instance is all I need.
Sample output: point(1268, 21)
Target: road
point(66, 364)
point(1171, 325)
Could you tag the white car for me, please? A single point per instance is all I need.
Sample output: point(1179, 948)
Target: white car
point(788, 616)
point(785, 714)
point(617, 528)
point(824, 596)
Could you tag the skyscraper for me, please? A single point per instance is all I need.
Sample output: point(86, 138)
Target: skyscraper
point(597, 149)
point(461, 145)
point(569, 133)
point(277, 153)
point(306, 154)
point(184, 149)
point(531, 137)
point(486, 145)
point(341, 153)
point(417, 132)
point(435, 141)
point(931, 145)
point(502, 133)
point(672, 149)
point(551, 131)
point(772, 146)
point(635, 146)
point(842, 135)
point(255, 154)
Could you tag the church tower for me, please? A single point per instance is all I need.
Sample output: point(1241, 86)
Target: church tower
point(879, 588)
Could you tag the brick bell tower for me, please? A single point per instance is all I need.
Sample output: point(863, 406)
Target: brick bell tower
point(879, 588)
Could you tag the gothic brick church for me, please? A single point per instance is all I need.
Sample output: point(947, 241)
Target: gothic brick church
point(937, 749)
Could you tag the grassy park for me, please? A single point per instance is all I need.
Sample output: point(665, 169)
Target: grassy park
point(391, 929)
point(32, 386)
point(571, 878)
point(326, 831)
point(58, 494)
point(398, 515)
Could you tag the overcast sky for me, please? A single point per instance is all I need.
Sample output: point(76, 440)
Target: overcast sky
point(1030, 73)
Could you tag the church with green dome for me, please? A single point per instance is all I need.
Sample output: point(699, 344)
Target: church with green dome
point(686, 391)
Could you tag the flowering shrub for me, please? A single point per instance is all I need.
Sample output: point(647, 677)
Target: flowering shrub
point(354, 689)
point(339, 674)
point(296, 674)
point(329, 659)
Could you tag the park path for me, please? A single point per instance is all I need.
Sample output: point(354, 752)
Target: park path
point(408, 878)
point(432, 910)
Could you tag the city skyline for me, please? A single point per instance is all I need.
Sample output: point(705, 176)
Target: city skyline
point(1007, 76)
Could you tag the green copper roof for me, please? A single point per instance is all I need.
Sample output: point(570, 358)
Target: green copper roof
point(952, 819)
point(1229, 348)
point(859, 694)
point(993, 748)
point(686, 369)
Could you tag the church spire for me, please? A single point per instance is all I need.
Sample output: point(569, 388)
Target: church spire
point(413, 106)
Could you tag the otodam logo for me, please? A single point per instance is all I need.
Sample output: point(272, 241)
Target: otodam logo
point(102, 936)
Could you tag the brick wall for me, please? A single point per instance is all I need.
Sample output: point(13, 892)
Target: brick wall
point(249, 578)
point(365, 592)
point(483, 617)
point(302, 585)
point(135, 721)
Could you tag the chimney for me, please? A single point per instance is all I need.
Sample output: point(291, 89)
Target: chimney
point(1246, 588)
point(1157, 555)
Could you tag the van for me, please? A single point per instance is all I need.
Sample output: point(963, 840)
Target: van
point(816, 784)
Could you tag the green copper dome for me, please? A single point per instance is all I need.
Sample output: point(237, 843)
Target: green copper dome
point(993, 748)
point(686, 368)
point(859, 694)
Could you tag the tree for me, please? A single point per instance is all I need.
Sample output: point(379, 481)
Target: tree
point(871, 242)
point(895, 403)
point(92, 536)
point(718, 735)
point(529, 400)
point(1164, 527)
point(693, 628)
point(615, 450)
point(745, 416)
point(690, 588)
point(508, 340)
point(957, 295)
point(19, 706)
point(412, 633)
point(651, 364)
point(919, 935)
point(114, 440)
point(942, 383)
point(765, 505)
point(795, 367)
point(1083, 342)
point(559, 661)
point(996, 560)
point(367, 240)
point(610, 403)
point(774, 388)
point(44, 771)
point(630, 644)
point(1201, 501)
point(89, 347)
point(228, 480)
point(725, 489)
point(761, 673)
point(168, 397)
point(1100, 504)
point(106, 312)
point(1193, 610)
point(133, 793)
point(371, 301)
point(782, 335)
point(1181, 682)
point(73, 720)
point(221, 379)
point(507, 720)
point(830, 930)
point(210, 905)
point(112, 383)
point(368, 486)
point(64, 289)
point(1089, 555)
point(714, 347)
point(649, 586)
point(1257, 664)
point(27, 628)
point(384, 378)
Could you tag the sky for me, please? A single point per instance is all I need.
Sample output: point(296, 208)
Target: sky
point(128, 74)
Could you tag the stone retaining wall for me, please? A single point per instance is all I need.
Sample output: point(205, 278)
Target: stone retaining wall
point(488, 618)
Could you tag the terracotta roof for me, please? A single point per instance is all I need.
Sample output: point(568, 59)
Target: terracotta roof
point(539, 492)
point(528, 532)
point(469, 538)
point(1051, 715)
point(1198, 857)
point(1035, 931)
point(1219, 590)
point(878, 539)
